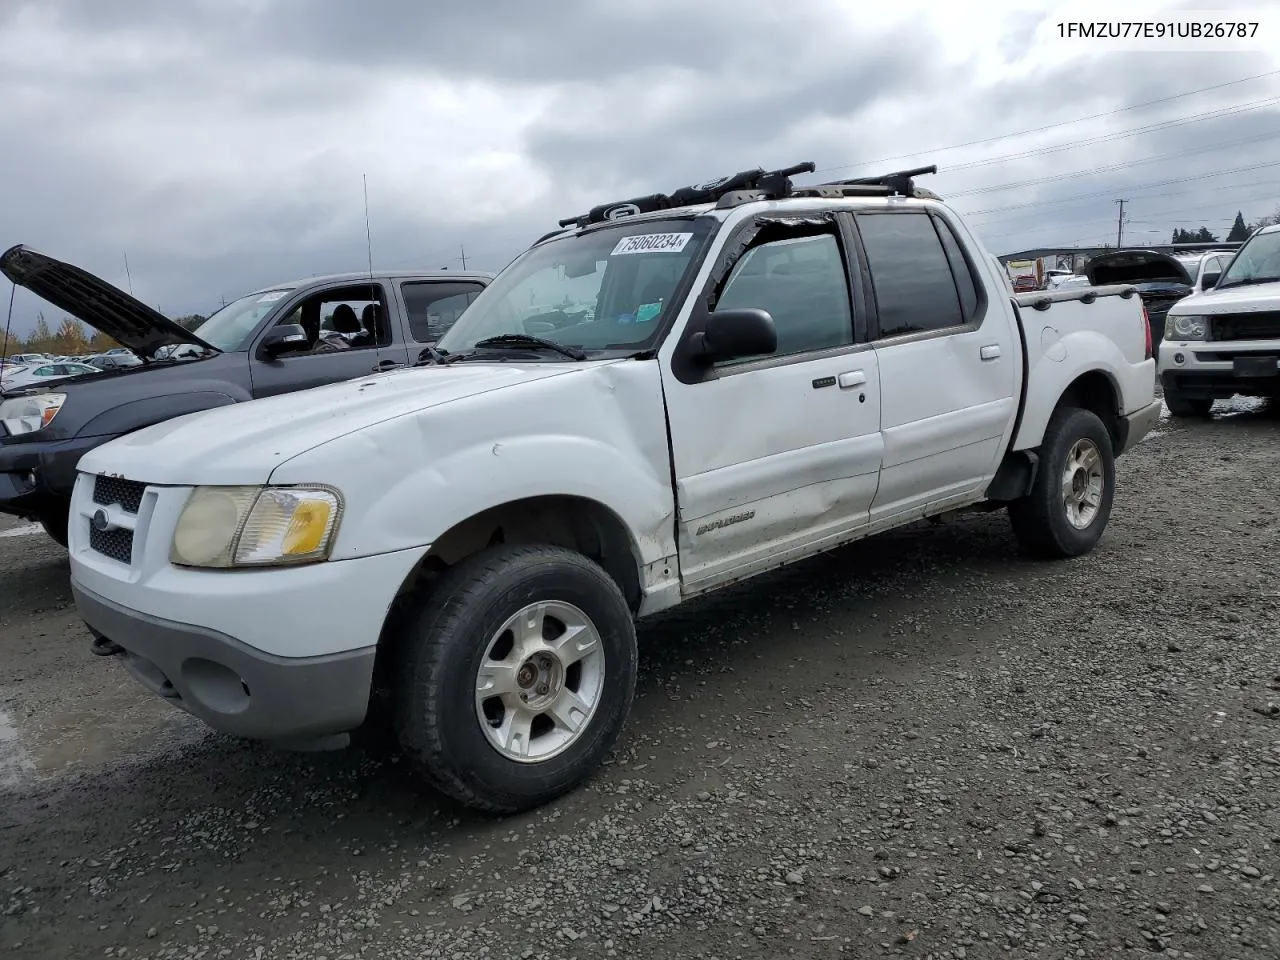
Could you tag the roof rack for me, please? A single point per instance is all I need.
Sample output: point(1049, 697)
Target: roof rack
point(757, 184)
point(900, 183)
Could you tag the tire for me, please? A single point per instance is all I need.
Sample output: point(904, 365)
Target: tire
point(55, 522)
point(1043, 519)
point(444, 634)
point(1181, 406)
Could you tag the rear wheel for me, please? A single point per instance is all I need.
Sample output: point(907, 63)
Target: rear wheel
point(55, 521)
point(1070, 501)
point(518, 670)
point(1181, 406)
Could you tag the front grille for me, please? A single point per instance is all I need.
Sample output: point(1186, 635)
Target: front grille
point(1247, 326)
point(127, 494)
point(109, 491)
point(116, 544)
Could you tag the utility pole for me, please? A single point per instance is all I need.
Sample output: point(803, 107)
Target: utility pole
point(1120, 223)
point(463, 258)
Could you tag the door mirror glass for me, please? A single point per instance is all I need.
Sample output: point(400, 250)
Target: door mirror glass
point(1211, 280)
point(742, 332)
point(283, 338)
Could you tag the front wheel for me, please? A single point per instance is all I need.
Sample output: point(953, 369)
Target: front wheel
point(518, 670)
point(1070, 501)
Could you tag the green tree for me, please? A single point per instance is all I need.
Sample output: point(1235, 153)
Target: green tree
point(190, 321)
point(1239, 230)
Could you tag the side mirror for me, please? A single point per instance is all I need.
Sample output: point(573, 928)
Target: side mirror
point(282, 339)
point(730, 334)
point(1211, 280)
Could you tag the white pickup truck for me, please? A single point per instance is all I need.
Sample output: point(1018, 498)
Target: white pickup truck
point(1224, 339)
point(668, 395)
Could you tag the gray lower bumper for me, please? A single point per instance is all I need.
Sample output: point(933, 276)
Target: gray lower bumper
point(230, 686)
point(1135, 426)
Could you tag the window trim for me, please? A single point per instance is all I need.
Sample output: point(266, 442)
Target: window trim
point(290, 304)
point(735, 246)
point(872, 306)
point(406, 324)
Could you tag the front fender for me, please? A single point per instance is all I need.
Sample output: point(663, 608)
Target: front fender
point(1059, 362)
point(414, 508)
point(148, 411)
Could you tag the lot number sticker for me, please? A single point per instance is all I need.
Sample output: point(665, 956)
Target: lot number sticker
point(652, 243)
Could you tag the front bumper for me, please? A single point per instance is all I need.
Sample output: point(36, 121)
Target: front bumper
point(228, 684)
point(1218, 370)
point(279, 653)
point(36, 474)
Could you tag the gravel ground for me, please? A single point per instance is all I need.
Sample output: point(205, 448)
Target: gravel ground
point(920, 746)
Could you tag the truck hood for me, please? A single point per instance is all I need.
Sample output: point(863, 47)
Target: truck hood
point(129, 322)
point(1251, 298)
point(1136, 267)
point(244, 442)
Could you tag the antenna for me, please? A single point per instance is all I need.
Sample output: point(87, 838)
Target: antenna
point(127, 275)
point(463, 258)
point(368, 233)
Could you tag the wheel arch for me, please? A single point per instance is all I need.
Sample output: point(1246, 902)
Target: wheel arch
point(1094, 390)
point(577, 523)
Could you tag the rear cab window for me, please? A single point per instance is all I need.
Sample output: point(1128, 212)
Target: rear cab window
point(433, 306)
point(920, 279)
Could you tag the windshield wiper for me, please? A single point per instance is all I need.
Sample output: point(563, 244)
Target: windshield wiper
point(526, 340)
point(430, 355)
point(1247, 282)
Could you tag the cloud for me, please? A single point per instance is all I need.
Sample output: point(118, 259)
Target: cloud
point(222, 143)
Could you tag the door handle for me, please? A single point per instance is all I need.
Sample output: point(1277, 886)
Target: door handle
point(387, 365)
point(851, 378)
point(990, 352)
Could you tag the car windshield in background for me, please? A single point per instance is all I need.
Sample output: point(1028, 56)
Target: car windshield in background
point(230, 328)
point(1257, 262)
point(606, 289)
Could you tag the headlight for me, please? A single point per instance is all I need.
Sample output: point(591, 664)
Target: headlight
point(256, 526)
point(1186, 328)
point(32, 413)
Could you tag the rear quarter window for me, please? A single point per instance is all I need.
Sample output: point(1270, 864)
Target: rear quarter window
point(915, 290)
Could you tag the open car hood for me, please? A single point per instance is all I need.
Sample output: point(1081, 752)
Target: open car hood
point(129, 322)
point(1135, 266)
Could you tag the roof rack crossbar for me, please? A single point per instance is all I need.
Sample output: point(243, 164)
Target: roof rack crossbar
point(747, 184)
point(899, 182)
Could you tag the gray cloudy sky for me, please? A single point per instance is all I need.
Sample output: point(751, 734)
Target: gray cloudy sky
point(222, 142)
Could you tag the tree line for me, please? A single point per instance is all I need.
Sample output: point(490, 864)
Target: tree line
point(1239, 231)
point(70, 338)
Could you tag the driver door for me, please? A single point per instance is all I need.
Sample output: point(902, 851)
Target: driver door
point(776, 455)
point(375, 347)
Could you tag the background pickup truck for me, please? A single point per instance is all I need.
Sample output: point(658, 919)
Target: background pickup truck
point(262, 344)
point(1225, 340)
point(669, 395)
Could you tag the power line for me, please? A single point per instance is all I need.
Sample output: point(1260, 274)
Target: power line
point(1230, 111)
point(1053, 126)
point(1232, 200)
point(1102, 193)
point(1210, 148)
point(1149, 196)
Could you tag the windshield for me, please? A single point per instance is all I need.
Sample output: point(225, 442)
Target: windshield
point(605, 289)
point(1257, 262)
point(230, 327)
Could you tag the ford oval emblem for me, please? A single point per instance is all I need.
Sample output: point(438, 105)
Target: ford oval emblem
point(621, 210)
point(100, 521)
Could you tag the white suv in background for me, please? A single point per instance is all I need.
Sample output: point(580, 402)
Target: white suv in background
point(1224, 341)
